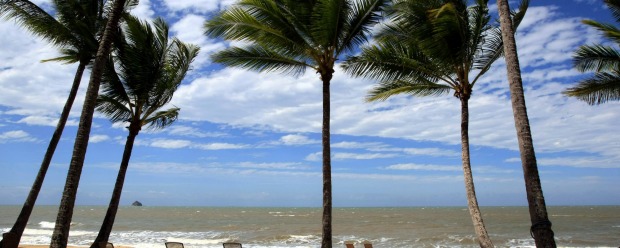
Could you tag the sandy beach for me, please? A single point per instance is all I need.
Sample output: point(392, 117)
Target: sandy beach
point(46, 246)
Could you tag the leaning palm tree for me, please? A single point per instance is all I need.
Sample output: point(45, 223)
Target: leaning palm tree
point(60, 236)
point(75, 30)
point(541, 226)
point(150, 69)
point(602, 59)
point(290, 36)
point(432, 48)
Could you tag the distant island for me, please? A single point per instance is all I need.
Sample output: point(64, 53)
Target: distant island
point(137, 204)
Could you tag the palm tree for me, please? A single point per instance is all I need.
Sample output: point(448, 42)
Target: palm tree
point(151, 69)
point(431, 48)
point(541, 226)
point(60, 235)
point(602, 59)
point(75, 30)
point(289, 36)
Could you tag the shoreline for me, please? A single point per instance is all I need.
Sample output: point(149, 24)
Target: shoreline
point(69, 246)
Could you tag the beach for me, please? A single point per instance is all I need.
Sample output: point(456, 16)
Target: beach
point(405, 227)
point(47, 246)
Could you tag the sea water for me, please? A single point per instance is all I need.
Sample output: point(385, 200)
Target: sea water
point(209, 227)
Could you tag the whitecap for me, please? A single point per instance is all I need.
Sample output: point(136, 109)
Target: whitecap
point(47, 224)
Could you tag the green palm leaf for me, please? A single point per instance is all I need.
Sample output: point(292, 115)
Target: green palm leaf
point(162, 119)
point(37, 21)
point(259, 58)
point(600, 88)
point(144, 74)
point(410, 87)
point(604, 60)
point(596, 58)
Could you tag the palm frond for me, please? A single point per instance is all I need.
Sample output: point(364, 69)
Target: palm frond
point(37, 21)
point(599, 89)
point(247, 24)
point(327, 21)
point(596, 58)
point(609, 31)
point(144, 73)
point(389, 60)
point(364, 14)
point(259, 59)
point(494, 45)
point(66, 59)
point(386, 89)
point(161, 119)
point(111, 85)
point(614, 6)
point(112, 108)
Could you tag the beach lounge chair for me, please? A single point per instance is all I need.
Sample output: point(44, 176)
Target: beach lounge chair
point(105, 245)
point(174, 245)
point(232, 245)
point(349, 244)
point(367, 244)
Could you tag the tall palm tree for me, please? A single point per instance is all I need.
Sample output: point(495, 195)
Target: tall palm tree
point(602, 59)
point(60, 235)
point(432, 48)
point(150, 70)
point(541, 226)
point(74, 30)
point(290, 36)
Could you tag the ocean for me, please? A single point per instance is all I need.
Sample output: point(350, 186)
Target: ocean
point(403, 227)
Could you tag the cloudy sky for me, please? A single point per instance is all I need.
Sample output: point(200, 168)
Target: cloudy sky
point(250, 139)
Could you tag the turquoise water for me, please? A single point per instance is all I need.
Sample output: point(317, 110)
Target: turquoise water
point(208, 227)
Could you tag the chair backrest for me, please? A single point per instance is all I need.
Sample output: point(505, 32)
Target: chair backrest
point(367, 244)
point(232, 245)
point(105, 245)
point(174, 245)
point(349, 244)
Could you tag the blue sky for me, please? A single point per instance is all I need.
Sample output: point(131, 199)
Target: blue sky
point(249, 139)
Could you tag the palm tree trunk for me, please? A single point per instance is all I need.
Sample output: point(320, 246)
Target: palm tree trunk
point(108, 221)
point(24, 215)
point(326, 241)
point(541, 226)
point(472, 201)
point(60, 235)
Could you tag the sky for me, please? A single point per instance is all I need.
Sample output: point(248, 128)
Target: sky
point(253, 139)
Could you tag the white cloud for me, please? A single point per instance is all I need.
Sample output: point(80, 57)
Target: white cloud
point(581, 162)
point(16, 136)
point(346, 156)
point(435, 152)
point(28, 93)
point(297, 140)
point(219, 146)
point(317, 156)
point(192, 132)
point(143, 10)
point(98, 138)
point(180, 143)
point(277, 166)
point(44, 121)
point(170, 143)
point(200, 6)
point(373, 146)
point(424, 167)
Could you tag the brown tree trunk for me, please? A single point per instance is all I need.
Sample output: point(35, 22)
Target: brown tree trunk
point(60, 235)
point(541, 226)
point(24, 215)
point(472, 201)
point(326, 241)
point(110, 216)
